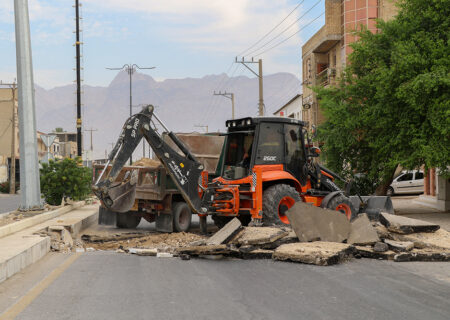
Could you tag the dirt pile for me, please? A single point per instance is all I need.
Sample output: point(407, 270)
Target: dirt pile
point(147, 162)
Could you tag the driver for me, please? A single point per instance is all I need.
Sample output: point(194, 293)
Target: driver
point(247, 156)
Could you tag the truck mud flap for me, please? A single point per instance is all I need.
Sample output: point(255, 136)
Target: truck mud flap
point(106, 217)
point(373, 205)
point(164, 223)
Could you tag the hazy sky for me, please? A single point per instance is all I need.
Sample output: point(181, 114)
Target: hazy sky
point(182, 38)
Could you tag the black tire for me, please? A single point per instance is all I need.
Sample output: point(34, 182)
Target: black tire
point(390, 191)
point(127, 220)
point(343, 204)
point(182, 217)
point(277, 200)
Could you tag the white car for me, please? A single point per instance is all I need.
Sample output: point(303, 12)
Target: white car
point(407, 182)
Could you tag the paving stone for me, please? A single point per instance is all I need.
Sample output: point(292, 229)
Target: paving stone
point(319, 253)
point(260, 235)
point(362, 232)
point(399, 245)
point(406, 225)
point(368, 252)
point(380, 247)
point(312, 223)
point(226, 233)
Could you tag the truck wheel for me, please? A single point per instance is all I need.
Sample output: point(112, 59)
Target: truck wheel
point(277, 200)
point(127, 220)
point(182, 217)
point(343, 204)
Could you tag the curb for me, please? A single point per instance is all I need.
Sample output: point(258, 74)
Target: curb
point(29, 222)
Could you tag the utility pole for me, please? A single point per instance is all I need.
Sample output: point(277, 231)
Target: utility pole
point(29, 164)
point(91, 130)
point(230, 96)
point(200, 126)
point(77, 46)
point(12, 177)
point(131, 68)
point(260, 76)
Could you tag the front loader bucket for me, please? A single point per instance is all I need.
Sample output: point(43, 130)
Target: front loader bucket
point(373, 205)
point(123, 196)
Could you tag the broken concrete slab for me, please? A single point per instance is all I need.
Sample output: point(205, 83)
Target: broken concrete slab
point(143, 252)
point(438, 240)
point(399, 246)
point(320, 253)
point(382, 231)
point(422, 256)
point(258, 254)
point(380, 247)
point(259, 235)
point(312, 223)
point(368, 252)
point(406, 225)
point(226, 233)
point(362, 232)
point(204, 250)
point(291, 237)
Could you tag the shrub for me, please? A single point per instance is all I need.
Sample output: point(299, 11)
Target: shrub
point(4, 187)
point(65, 178)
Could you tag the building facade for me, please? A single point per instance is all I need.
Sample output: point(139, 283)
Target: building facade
point(325, 54)
point(292, 109)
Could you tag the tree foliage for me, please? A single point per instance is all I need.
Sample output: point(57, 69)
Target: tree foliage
point(392, 104)
point(65, 179)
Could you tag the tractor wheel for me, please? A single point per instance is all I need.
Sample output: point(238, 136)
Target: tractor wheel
point(277, 200)
point(220, 221)
point(390, 191)
point(127, 220)
point(343, 204)
point(182, 216)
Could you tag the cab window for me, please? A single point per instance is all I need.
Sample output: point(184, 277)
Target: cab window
point(270, 144)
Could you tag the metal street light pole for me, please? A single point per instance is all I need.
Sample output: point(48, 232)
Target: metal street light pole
point(29, 163)
point(131, 68)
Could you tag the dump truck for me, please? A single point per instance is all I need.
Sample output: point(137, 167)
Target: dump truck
point(157, 198)
point(266, 165)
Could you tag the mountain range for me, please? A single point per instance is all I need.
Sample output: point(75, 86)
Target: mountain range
point(184, 105)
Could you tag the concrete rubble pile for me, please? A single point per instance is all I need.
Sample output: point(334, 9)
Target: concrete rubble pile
point(316, 236)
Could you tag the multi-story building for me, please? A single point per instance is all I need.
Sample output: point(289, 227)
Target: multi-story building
point(292, 108)
point(325, 54)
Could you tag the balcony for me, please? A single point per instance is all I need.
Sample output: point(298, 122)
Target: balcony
point(325, 77)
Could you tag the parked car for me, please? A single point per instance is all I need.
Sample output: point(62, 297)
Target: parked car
point(407, 182)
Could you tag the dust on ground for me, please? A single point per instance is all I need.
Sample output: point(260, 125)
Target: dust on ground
point(21, 215)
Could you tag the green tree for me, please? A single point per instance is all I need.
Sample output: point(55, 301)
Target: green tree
point(65, 178)
point(392, 104)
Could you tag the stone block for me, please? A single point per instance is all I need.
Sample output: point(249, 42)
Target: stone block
point(380, 247)
point(226, 233)
point(312, 223)
point(362, 232)
point(406, 225)
point(319, 253)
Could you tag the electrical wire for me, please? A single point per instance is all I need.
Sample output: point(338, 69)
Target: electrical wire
point(265, 36)
point(281, 42)
point(284, 30)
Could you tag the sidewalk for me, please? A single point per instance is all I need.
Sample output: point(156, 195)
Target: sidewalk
point(23, 248)
point(403, 205)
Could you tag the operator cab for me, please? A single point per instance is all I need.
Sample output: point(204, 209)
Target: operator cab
point(263, 141)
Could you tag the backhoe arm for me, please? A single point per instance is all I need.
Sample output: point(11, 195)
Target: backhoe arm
point(184, 169)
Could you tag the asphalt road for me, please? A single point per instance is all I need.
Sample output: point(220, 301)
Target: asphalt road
point(9, 202)
point(107, 285)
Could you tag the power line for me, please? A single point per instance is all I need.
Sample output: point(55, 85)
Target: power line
point(265, 36)
point(284, 30)
point(281, 42)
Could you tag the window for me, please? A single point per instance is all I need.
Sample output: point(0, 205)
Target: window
point(270, 145)
point(419, 175)
point(295, 157)
point(406, 177)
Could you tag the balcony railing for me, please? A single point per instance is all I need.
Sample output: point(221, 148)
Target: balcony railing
point(324, 77)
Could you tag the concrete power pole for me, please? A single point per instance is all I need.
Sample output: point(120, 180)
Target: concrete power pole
point(230, 96)
point(29, 163)
point(77, 46)
point(260, 76)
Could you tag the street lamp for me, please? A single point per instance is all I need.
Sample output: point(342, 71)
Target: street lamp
point(131, 68)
